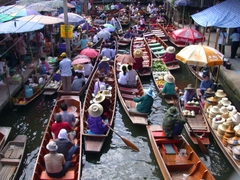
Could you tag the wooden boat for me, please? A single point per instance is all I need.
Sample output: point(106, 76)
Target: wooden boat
point(175, 157)
point(52, 87)
point(4, 132)
point(124, 41)
point(98, 44)
point(98, 21)
point(74, 172)
point(125, 95)
point(11, 157)
point(22, 100)
point(169, 28)
point(124, 19)
point(94, 142)
point(101, 9)
point(159, 31)
point(118, 26)
point(198, 123)
point(177, 42)
point(158, 71)
point(140, 43)
point(158, 48)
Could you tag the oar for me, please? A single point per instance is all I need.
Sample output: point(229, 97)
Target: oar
point(127, 142)
point(200, 143)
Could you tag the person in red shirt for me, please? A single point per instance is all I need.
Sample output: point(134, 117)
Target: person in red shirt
point(139, 60)
point(169, 56)
point(58, 125)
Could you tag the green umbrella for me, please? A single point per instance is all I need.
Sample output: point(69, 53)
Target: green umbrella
point(108, 26)
point(5, 17)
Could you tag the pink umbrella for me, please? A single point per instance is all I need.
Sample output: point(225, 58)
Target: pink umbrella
point(89, 52)
point(80, 59)
point(188, 35)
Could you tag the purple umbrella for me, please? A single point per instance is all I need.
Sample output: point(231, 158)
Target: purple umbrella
point(109, 29)
point(84, 27)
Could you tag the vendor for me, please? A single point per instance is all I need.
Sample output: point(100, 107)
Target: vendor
point(206, 83)
point(43, 66)
point(169, 87)
point(189, 93)
point(169, 56)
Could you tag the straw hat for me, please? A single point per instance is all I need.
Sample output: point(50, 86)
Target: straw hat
point(150, 92)
point(106, 93)
point(215, 110)
point(52, 146)
point(138, 53)
point(223, 110)
point(170, 49)
point(63, 54)
point(189, 87)
point(236, 118)
point(209, 91)
point(220, 93)
point(89, 44)
point(105, 58)
point(99, 98)
point(95, 110)
point(225, 101)
point(231, 108)
point(173, 111)
point(80, 67)
point(211, 99)
point(169, 78)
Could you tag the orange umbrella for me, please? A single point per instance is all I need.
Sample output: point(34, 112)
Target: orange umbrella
point(125, 58)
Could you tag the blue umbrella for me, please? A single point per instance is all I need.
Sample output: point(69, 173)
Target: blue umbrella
point(109, 29)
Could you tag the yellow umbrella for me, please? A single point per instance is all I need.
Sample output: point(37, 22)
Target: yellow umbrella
point(200, 55)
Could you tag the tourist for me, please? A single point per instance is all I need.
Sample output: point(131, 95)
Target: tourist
point(43, 67)
point(169, 56)
point(98, 84)
point(66, 72)
point(65, 146)
point(172, 124)
point(235, 37)
point(55, 163)
point(39, 41)
point(169, 87)
point(83, 42)
point(67, 116)
point(206, 83)
point(189, 93)
point(107, 52)
point(103, 66)
point(58, 125)
point(95, 122)
point(138, 65)
point(122, 76)
point(222, 40)
point(102, 98)
point(131, 76)
point(78, 82)
point(88, 67)
point(145, 102)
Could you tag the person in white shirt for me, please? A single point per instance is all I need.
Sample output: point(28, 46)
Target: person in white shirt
point(122, 76)
point(95, 38)
point(131, 76)
point(222, 41)
point(235, 37)
point(87, 68)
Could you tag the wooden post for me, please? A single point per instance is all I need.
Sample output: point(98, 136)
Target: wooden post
point(183, 17)
point(209, 32)
point(217, 35)
point(67, 40)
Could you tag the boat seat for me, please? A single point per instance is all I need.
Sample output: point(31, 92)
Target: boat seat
point(128, 96)
point(157, 48)
point(7, 171)
point(128, 90)
point(10, 161)
point(158, 134)
point(154, 44)
point(169, 148)
point(134, 112)
point(68, 176)
point(160, 52)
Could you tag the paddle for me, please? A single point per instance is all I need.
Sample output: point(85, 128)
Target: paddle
point(127, 142)
point(200, 143)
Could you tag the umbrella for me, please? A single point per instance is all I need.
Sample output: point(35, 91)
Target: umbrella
point(40, 6)
point(109, 29)
point(16, 26)
point(84, 27)
point(99, 21)
point(184, 3)
point(5, 17)
point(41, 19)
point(188, 35)
point(108, 26)
point(80, 59)
point(125, 58)
point(11, 9)
point(58, 4)
point(25, 12)
point(200, 55)
point(73, 18)
point(89, 52)
point(103, 34)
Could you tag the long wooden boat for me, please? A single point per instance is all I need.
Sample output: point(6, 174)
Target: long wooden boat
point(74, 172)
point(158, 48)
point(222, 143)
point(22, 100)
point(94, 142)
point(125, 95)
point(124, 41)
point(98, 44)
point(4, 133)
point(101, 9)
point(140, 43)
point(97, 21)
point(118, 29)
point(197, 121)
point(169, 27)
point(11, 157)
point(175, 157)
point(159, 31)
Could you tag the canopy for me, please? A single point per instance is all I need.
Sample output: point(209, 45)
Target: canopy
point(42, 19)
point(224, 15)
point(40, 6)
point(184, 3)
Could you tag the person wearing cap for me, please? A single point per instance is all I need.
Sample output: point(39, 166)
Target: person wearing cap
point(66, 72)
point(169, 56)
point(43, 67)
point(102, 98)
point(122, 76)
point(206, 83)
point(95, 122)
point(139, 60)
point(169, 87)
point(98, 84)
point(55, 163)
point(78, 82)
point(58, 125)
point(103, 66)
point(131, 76)
point(172, 124)
point(65, 146)
point(189, 93)
point(145, 102)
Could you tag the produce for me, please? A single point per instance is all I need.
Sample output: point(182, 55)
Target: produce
point(158, 65)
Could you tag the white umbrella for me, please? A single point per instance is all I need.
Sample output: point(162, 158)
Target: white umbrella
point(19, 27)
point(73, 18)
point(103, 34)
point(40, 6)
point(58, 4)
point(41, 19)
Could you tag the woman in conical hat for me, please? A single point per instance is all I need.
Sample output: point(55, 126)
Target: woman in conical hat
point(169, 56)
point(169, 86)
point(189, 93)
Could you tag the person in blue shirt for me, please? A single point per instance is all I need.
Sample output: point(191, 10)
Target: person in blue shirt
point(189, 93)
point(83, 42)
point(206, 83)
